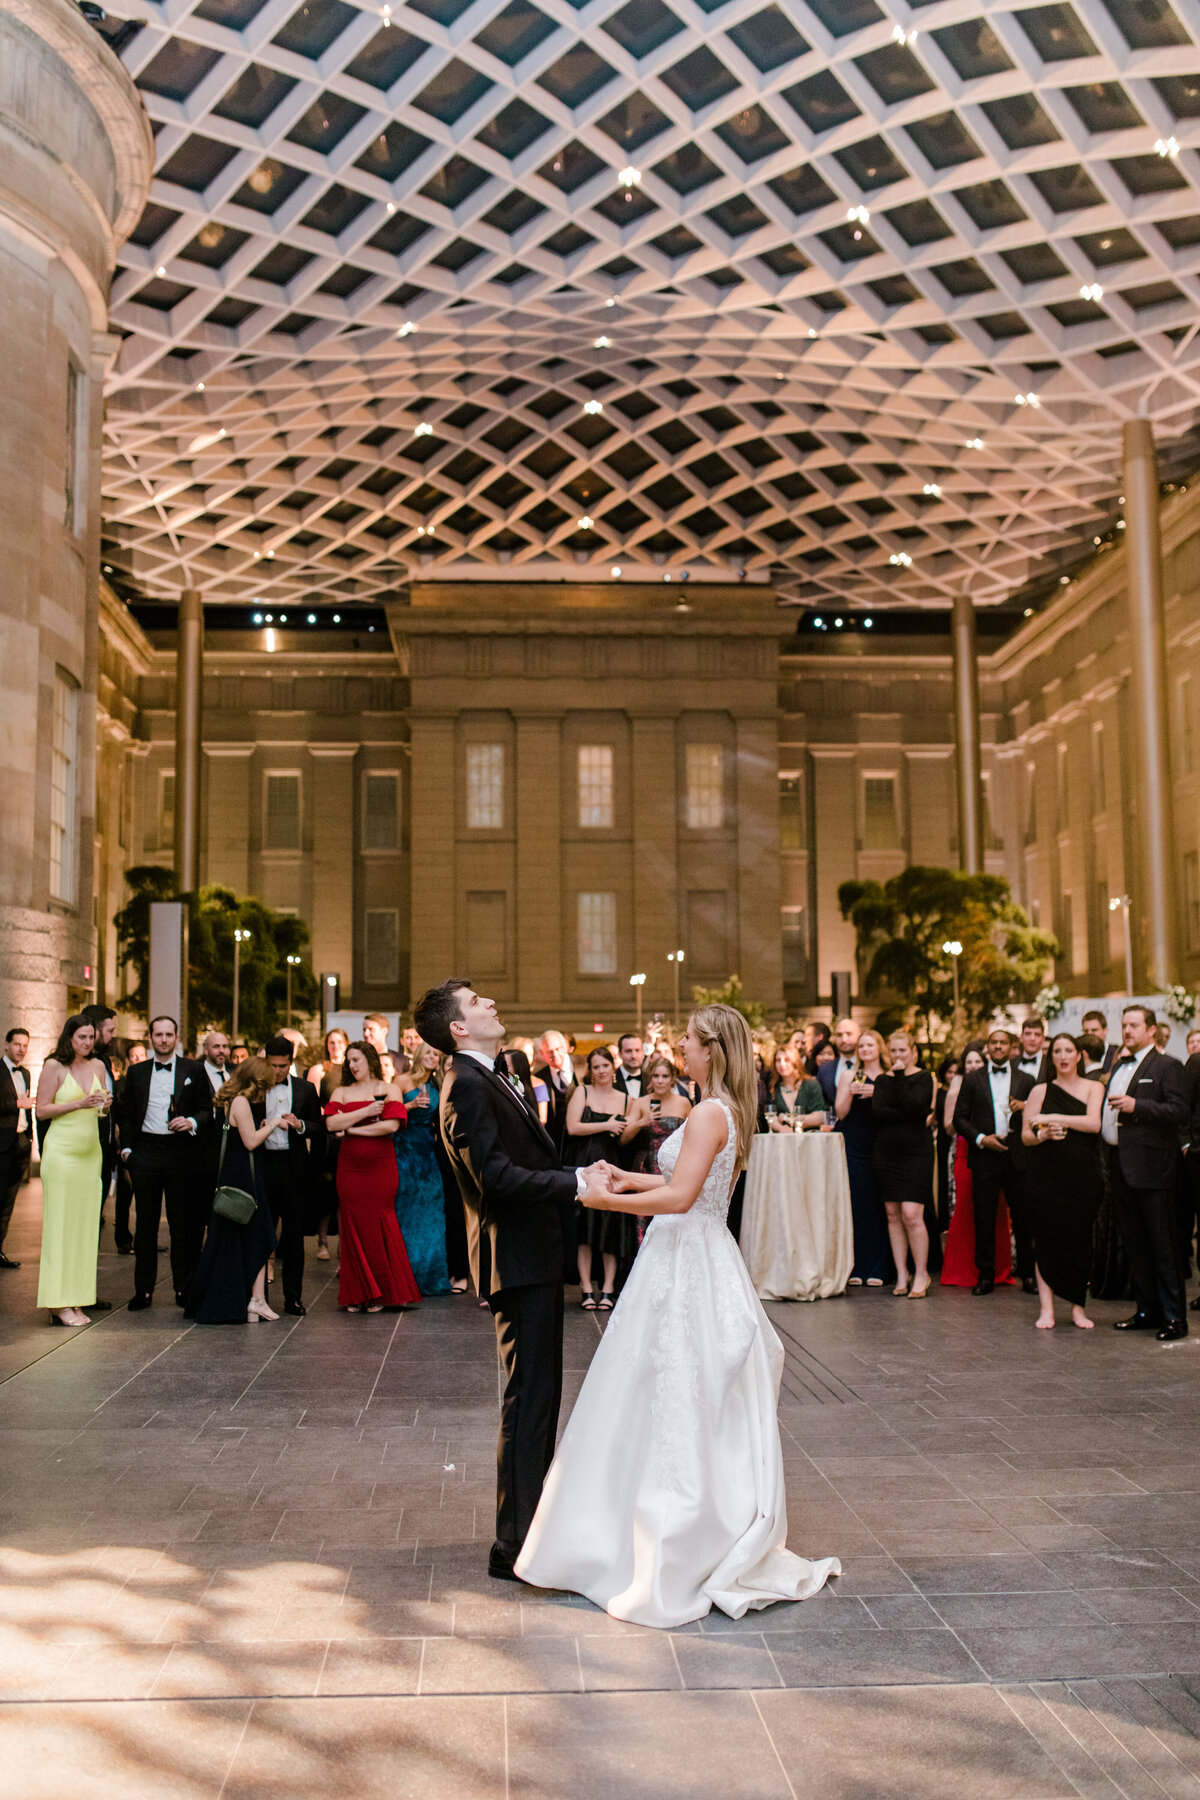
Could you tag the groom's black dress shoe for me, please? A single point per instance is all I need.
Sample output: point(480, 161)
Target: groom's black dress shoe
point(984, 1287)
point(8, 1262)
point(500, 1563)
point(140, 1302)
point(1140, 1321)
point(1174, 1328)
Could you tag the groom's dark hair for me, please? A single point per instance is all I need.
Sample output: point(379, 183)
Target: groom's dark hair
point(434, 1010)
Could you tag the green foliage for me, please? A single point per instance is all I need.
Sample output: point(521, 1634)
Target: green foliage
point(213, 915)
point(753, 1011)
point(900, 926)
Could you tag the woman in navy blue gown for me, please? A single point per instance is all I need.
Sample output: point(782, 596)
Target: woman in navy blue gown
point(856, 1123)
point(229, 1287)
point(420, 1201)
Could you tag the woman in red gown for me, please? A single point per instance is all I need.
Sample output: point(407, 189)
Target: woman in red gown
point(958, 1267)
point(366, 1114)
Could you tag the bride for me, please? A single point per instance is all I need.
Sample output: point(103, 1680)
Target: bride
point(666, 1497)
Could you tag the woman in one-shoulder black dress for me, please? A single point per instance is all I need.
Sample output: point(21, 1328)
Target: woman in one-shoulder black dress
point(1061, 1122)
point(229, 1287)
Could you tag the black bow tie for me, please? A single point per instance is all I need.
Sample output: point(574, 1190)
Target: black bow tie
point(500, 1066)
point(163, 1068)
point(1123, 1062)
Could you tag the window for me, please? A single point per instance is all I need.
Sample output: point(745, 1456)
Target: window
point(75, 471)
point(283, 812)
point(792, 835)
point(1186, 728)
point(487, 934)
point(597, 934)
point(381, 811)
point(881, 829)
point(1103, 925)
point(1099, 788)
point(595, 787)
point(705, 787)
point(990, 839)
point(1061, 795)
point(1063, 931)
point(485, 787)
point(64, 756)
point(382, 959)
point(1191, 899)
point(795, 943)
point(1031, 818)
point(166, 809)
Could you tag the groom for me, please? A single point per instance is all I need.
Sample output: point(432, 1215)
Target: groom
point(516, 1198)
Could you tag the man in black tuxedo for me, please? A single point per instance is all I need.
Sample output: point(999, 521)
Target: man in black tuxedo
point(558, 1072)
point(631, 1053)
point(162, 1103)
point(845, 1042)
point(1095, 1024)
point(516, 1196)
point(1144, 1112)
point(214, 1060)
point(16, 1130)
point(988, 1116)
point(292, 1159)
point(1032, 1056)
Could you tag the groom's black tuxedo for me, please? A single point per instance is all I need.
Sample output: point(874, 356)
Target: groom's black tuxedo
point(517, 1199)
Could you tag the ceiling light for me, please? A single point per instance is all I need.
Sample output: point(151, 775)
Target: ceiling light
point(585, 524)
point(1064, 581)
point(407, 329)
point(906, 38)
point(629, 176)
point(602, 343)
point(256, 555)
point(1027, 400)
point(1095, 540)
point(1092, 291)
point(258, 618)
point(1120, 524)
point(616, 572)
point(312, 618)
point(900, 560)
point(811, 332)
point(858, 215)
point(973, 444)
point(867, 624)
point(837, 624)
point(594, 406)
point(108, 568)
point(161, 269)
point(423, 430)
point(199, 387)
point(818, 624)
point(283, 618)
point(270, 554)
point(933, 490)
point(1029, 612)
point(391, 206)
point(611, 301)
point(203, 441)
point(269, 617)
point(337, 618)
point(1167, 147)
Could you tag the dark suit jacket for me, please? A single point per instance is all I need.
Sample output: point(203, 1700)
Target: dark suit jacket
point(193, 1097)
point(556, 1117)
point(508, 1171)
point(306, 1149)
point(622, 1086)
point(13, 1122)
point(1148, 1137)
point(827, 1074)
point(974, 1112)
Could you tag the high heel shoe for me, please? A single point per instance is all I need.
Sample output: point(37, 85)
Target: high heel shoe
point(322, 1251)
point(258, 1309)
point(916, 1293)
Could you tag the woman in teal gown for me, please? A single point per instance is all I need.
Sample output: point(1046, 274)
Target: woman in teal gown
point(420, 1200)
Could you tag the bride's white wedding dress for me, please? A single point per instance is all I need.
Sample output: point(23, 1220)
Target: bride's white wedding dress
point(666, 1497)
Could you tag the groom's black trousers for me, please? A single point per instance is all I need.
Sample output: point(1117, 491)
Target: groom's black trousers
point(529, 1334)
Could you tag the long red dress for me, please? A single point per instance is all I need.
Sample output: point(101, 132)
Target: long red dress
point(375, 1269)
point(958, 1269)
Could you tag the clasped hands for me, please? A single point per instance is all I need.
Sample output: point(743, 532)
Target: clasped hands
point(604, 1180)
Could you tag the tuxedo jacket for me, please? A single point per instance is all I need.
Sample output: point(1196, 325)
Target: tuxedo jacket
point(193, 1098)
point(516, 1195)
point(13, 1122)
point(827, 1074)
point(622, 1086)
point(1148, 1137)
point(306, 1149)
point(556, 1116)
point(1191, 1079)
point(1045, 1068)
point(974, 1112)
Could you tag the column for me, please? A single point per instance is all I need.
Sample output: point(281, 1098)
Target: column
point(538, 815)
point(966, 736)
point(334, 888)
point(189, 710)
point(760, 934)
point(433, 815)
point(1155, 943)
point(656, 913)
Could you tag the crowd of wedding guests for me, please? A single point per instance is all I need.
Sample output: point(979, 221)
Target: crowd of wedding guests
point(1058, 1162)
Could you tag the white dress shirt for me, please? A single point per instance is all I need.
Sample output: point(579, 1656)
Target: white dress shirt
point(216, 1077)
point(279, 1101)
point(633, 1082)
point(1000, 1082)
point(1118, 1083)
point(20, 1080)
point(157, 1121)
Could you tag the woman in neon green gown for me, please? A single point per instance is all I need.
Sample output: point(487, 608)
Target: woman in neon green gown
point(72, 1093)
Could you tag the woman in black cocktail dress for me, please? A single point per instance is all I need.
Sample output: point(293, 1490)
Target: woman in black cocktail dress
point(902, 1104)
point(1061, 1122)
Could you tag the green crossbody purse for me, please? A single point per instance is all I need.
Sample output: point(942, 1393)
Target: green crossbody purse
point(233, 1203)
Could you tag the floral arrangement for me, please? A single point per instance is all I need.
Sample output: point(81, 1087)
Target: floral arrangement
point(1048, 1003)
point(1179, 1005)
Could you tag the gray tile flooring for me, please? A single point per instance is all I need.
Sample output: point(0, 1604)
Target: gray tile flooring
point(247, 1562)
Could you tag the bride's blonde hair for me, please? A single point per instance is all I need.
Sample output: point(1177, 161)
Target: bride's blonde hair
point(732, 1076)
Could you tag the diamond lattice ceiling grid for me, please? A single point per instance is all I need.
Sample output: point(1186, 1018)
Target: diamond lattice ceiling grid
point(850, 294)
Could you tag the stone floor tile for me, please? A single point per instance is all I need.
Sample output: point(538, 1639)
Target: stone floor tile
point(138, 1751)
point(1063, 1653)
point(615, 1663)
point(371, 1749)
point(509, 1665)
point(866, 1658)
point(392, 1666)
point(213, 1670)
point(726, 1662)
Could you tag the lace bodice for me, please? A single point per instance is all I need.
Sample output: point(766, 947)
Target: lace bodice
point(713, 1199)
